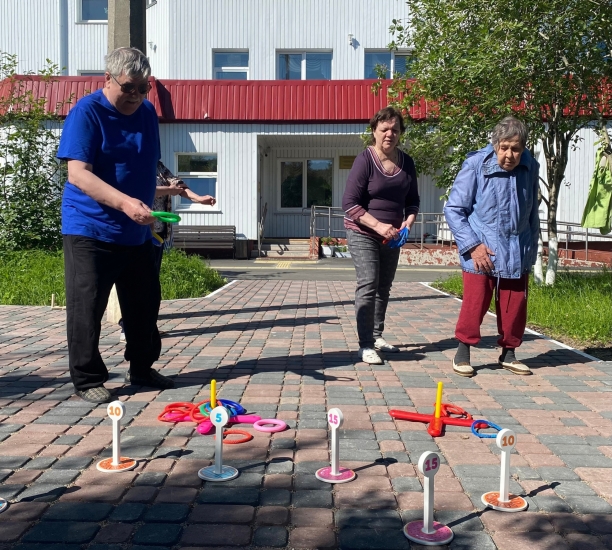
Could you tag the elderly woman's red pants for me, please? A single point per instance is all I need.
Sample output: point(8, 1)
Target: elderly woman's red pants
point(510, 306)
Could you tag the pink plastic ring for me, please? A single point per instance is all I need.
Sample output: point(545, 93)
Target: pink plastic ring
point(277, 425)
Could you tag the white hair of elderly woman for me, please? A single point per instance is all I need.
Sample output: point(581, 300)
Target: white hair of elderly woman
point(129, 61)
point(508, 128)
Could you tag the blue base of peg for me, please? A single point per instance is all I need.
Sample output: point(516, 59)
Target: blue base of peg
point(227, 473)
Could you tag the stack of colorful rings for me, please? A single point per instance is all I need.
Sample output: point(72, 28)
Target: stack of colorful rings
point(482, 424)
point(234, 408)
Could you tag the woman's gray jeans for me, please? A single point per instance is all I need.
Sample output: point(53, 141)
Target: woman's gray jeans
point(375, 266)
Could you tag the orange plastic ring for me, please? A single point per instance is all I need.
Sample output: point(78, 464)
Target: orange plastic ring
point(247, 437)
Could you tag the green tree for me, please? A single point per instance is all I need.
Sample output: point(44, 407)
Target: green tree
point(30, 177)
point(477, 61)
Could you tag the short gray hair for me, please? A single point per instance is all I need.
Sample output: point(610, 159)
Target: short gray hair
point(129, 61)
point(509, 128)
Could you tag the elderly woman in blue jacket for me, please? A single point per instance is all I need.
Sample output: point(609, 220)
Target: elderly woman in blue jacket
point(492, 211)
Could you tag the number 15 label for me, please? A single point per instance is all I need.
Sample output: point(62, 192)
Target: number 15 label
point(334, 418)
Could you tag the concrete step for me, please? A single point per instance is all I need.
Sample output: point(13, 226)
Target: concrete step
point(285, 247)
point(282, 254)
point(286, 241)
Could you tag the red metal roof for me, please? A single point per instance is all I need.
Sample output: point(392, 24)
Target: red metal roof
point(278, 101)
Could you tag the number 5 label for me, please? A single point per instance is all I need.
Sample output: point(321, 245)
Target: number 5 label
point(219, 416)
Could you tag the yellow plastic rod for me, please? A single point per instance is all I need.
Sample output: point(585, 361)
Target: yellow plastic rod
point(439, 400)
point(213, 394)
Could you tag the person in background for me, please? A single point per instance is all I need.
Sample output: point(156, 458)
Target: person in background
point(381, 198)
point(110, 141)
point(167, 186)
point(492, 211)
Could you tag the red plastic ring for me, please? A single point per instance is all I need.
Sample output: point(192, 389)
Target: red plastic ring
point(247, 437)
point(196, 411)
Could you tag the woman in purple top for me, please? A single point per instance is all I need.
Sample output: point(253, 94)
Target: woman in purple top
point(380, 200)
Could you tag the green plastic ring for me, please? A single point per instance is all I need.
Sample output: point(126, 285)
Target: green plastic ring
point(167, 217)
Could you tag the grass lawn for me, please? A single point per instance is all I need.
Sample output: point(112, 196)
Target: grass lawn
point(29, 277)
point(577, 310)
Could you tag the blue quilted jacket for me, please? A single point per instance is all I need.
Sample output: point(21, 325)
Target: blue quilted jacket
point(489, 205)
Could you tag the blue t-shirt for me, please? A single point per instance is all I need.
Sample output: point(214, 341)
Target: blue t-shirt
point(123, 151)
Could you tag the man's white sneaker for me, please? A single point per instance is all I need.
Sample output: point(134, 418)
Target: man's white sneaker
point(381, 344)
point(368, 355)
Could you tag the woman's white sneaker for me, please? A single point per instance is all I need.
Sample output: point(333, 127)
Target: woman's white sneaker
point(368, 355)
point(463, 368)
point(381, 344)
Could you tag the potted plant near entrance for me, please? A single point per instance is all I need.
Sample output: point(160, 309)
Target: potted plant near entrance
point(342, 252)
point(328, 245)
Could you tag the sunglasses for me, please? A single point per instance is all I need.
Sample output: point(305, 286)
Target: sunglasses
point(129, 88)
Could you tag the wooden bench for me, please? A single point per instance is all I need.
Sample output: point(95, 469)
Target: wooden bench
point(218, 237)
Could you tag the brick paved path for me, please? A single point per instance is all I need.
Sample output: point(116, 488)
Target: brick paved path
point(288, 349)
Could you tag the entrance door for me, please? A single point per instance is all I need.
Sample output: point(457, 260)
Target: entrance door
point(302, 182)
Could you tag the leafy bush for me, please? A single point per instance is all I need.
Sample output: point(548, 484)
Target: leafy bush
point(30, 277)
point(31, 179)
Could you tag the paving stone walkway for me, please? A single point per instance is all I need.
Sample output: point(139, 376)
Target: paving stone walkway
point(288, 349)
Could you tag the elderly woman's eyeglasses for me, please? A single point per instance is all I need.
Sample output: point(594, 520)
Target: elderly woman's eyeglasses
point(129, 88)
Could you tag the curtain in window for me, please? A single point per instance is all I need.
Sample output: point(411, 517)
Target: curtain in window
point(318, 66)
point(372, 59)
point(290, 66)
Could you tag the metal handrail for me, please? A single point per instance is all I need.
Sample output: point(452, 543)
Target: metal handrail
point(442, 231)
point(260, 229)
point(334, 212)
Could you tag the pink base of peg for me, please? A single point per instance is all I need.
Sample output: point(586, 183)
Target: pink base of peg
point(441, 535)
point(324, 474)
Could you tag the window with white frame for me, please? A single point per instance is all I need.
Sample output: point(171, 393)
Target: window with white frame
point(199, 172)
point(391, 62)
point(231, 65)
point(94, 10)
point(304, 65)
point(304, 182)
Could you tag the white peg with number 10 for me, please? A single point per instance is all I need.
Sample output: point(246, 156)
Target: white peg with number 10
point(503, 500)
point(116, 411)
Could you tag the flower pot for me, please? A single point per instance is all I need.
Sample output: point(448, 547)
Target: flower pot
point(327, 251)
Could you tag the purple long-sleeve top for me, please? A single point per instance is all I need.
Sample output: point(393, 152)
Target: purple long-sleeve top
point(390, 198)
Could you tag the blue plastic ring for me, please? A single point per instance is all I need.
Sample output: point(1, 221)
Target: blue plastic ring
point(234, 408)
point(487, 425)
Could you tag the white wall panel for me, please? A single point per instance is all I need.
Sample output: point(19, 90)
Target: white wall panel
point(30, 29)
point(87, 42)
point(265, 26)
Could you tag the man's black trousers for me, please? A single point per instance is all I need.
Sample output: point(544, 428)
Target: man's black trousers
point(92, 267)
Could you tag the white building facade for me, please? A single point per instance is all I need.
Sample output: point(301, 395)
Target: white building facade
point(248, 163)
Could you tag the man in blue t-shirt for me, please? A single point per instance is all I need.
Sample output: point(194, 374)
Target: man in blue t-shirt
point(111, 143)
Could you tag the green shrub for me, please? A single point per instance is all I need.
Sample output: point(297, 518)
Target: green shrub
point(578, 308)
point(29, 277)
point(184, 276)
